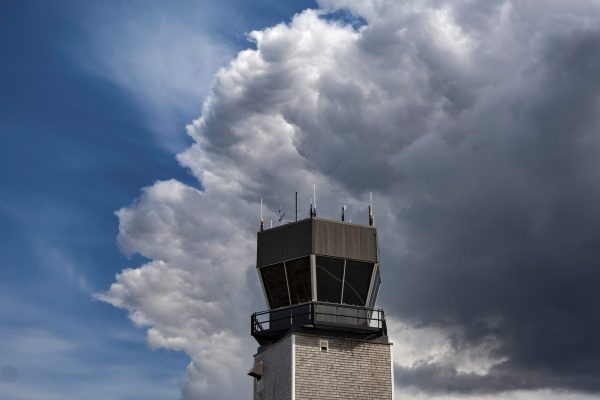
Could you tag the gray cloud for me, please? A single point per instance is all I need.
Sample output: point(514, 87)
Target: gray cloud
point(512, 232)
point(475, 124)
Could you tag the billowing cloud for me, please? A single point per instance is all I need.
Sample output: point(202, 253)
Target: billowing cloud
point(194, 295)
point(476, 126)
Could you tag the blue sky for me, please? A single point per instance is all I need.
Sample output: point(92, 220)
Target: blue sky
point(76, 144)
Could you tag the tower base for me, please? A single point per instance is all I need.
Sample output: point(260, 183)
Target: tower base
point(322, 367)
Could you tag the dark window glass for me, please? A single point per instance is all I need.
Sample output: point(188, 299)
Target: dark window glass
point(298, 274)
point(356, 282)
point(273, 278)
point(329, 279)
point(375, 290)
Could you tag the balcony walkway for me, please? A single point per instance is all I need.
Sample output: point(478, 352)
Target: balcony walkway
point(361, 322)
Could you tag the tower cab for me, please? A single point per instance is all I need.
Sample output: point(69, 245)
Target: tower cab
point(319, 276)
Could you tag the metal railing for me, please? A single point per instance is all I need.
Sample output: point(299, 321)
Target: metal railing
point(314, 314)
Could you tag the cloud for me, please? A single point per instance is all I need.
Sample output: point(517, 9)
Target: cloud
point(426, 346)
point(164, 57)
point(63, 267)
point(474, 123)
point(194, 295)
point(407, 394)
point(42, 364)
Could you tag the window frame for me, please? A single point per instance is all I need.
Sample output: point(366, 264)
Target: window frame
point(287, 282)
point(369, 303)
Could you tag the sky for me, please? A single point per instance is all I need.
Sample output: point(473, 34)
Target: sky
point(137, 139)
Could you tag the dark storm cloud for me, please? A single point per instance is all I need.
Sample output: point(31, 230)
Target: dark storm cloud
point(510, 227)
point(445, 379)
point(493, 171)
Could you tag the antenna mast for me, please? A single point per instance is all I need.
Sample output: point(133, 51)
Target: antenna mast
point(262, 223)
point(314, 204)
point(371, 216)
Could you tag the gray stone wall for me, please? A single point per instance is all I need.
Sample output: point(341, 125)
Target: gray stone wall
point(276, 383)
point(349, 370)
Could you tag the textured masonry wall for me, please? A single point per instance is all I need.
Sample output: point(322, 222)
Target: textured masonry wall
point(349, 370)
point(276, 383)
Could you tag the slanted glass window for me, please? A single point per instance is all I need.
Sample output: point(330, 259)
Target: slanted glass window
point(356, 283)
point(330, 273)
point(273, 278)
point(375, 290)
point(298, 274)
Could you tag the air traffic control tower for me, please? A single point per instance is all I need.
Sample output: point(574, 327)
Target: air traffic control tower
point(321, 338)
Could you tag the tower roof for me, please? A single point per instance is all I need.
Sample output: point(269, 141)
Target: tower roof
point(317, 236)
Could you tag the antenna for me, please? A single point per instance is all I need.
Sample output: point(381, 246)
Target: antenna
point(310, 210)
point(343, 212)
point(371, 215)
point(296, 206)
point(314, 208)
point(262, 223)
point(280, 215)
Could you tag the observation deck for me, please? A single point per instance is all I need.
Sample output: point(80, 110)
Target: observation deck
point(354, 321)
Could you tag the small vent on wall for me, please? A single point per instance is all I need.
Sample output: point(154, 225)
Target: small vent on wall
point(256, 371)
point(324, 345)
